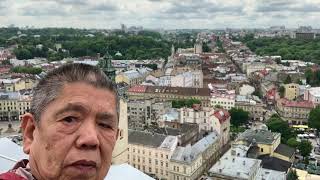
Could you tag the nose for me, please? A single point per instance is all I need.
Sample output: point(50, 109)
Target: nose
point(87, 136)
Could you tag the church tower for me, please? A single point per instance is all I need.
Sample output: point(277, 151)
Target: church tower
point(106, 66)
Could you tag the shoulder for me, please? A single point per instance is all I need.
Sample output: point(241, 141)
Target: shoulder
point(10, 176)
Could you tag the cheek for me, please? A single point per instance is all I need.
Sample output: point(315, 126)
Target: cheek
point(52, 150)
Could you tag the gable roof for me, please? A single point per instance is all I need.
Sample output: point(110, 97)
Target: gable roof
point(285, 150)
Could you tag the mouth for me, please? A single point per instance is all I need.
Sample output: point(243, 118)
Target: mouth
point(84, 166)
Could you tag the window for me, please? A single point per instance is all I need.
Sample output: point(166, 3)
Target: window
point(261, 149)
point(150, 170)
point(149, 160)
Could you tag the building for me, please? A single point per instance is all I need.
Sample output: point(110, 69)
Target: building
point(151, 153)
point(253, 105)
point(222, 98)
point(143, 112)
point(312, 94)
point(295, 112)
point(305, 35)
point(191, 161)
point(291, 91)
point(220, 120)
point(13, 105)
point(233, 167)
point(242, 168)
point(285, 153)
point(197, 114)
point(185, 79)
point(265, 141)
point(120, 151)
point(133, 77)
point(169, 93)
point(235, 164)
point(11, 85)
point(106, 66)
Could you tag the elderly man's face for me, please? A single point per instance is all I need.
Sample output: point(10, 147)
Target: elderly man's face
point(76, 134)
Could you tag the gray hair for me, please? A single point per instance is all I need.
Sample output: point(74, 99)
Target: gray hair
point(49, 88)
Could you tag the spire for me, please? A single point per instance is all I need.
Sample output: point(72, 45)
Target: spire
point(106, 66)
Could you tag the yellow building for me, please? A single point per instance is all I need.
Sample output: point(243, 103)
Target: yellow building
point(13, 105)
point(11, 85)
point(151, 153)
point(291, 91)
point(285, 153)
point(120, 152)
point(304, 175)
point(265, 140)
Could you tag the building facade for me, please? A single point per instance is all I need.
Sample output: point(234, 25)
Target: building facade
point(190, 162)
point(291, 91)
point(13, 105)
point(295, 112)
point(151, 153)
point(312, 94)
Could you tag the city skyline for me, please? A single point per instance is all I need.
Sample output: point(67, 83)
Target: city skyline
point(171, 14)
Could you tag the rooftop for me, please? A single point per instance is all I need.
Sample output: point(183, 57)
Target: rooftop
point(315, 91)
point(285, 150)
point(259, 136)
point(235, 167)
point(300, 104)
point(170, 90)
point(267, 174)
point(189, 153)
point(145, 138)
point(274, 163)
point(222, 115)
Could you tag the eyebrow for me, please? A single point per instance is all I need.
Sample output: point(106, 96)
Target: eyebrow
point(106, 116)
point(71, 107)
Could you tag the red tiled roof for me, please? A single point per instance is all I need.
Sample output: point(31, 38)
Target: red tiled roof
point(302, 104)
point(138, 89)
point(222, 115)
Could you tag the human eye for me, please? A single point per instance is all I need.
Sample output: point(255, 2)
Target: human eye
point(105, 125)
point(69, 119)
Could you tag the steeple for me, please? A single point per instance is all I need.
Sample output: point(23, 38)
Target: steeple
point(106, 66)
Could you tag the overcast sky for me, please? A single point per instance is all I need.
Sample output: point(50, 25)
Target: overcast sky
point(167, 14)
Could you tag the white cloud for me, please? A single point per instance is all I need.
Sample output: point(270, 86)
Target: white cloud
point(159, 13)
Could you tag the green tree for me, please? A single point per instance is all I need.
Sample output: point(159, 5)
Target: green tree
point(281, 91)
point(292, 142)
point(305, 148)
point(206, 48)
point(26, 70)
point(238, 116)
point(314, 120)
point(292, 175)
point(152, 66)
point(309, 75)
point(288, 80)
point(276, 124)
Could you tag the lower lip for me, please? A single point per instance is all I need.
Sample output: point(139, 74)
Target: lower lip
point(84, 168)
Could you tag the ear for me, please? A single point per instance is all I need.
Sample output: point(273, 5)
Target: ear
point(28, 126)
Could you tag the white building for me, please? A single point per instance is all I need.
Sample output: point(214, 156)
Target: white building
point(312, 94)
point(199, 115)
point(246, 90)
point(222, 97)
point(234, 165)
point(220, 122)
